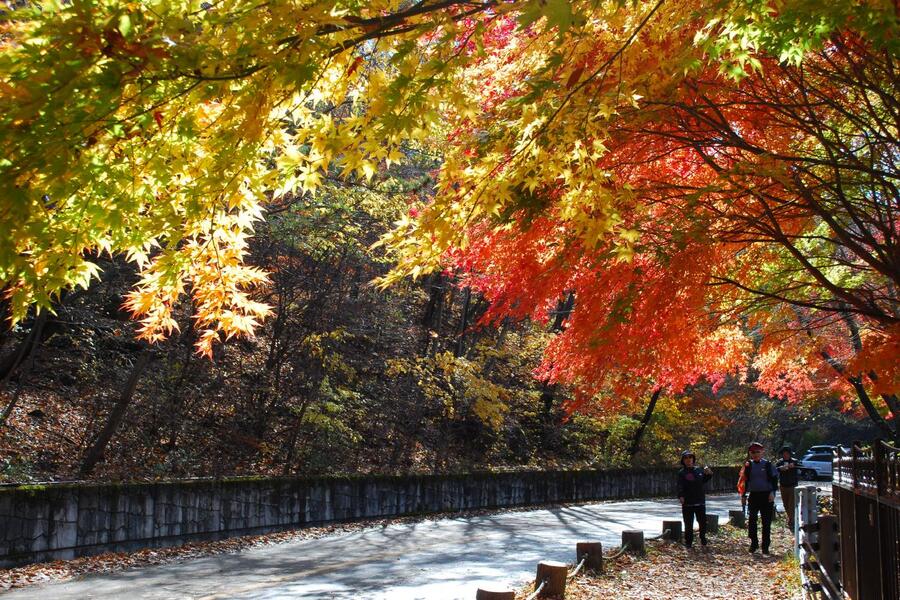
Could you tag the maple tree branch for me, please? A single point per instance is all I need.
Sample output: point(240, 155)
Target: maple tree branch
point(823, 306)
point(382, 28)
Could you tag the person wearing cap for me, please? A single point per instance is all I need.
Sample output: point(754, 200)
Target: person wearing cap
point(761, 484)
point(692, 497)
point(787, 481)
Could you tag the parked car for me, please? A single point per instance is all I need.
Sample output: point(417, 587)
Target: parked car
point(813, 466)
point(824, 449)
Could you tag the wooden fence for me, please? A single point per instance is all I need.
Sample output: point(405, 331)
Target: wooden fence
point(866, 491)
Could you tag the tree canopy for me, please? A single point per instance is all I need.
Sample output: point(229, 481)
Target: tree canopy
point(715, 181)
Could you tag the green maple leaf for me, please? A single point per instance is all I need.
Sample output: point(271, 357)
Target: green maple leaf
point(559, 14)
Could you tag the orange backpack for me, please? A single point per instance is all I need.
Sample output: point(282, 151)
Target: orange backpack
point(742, 480)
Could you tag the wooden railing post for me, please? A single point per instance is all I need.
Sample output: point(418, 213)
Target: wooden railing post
point(877, 449)
point(633, 540)
point(554, 574)
point(837, 468)
point(674, 530)
point(712, 524)
point(805, 517)
point(594, 553)
point(490, 594)
point(828, 546)
point(878, 452)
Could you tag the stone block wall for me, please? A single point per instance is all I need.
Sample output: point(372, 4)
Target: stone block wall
point(68, 520)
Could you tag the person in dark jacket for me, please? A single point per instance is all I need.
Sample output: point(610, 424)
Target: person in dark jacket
point(761, 485)
point(692, 497)
point(787, 481)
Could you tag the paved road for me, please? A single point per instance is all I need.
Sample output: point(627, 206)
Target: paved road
point(437, 560)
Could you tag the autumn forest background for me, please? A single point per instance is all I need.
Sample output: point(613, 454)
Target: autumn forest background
point(345, 378)
point(394, 237)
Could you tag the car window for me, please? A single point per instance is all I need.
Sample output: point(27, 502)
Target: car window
point(820, 458)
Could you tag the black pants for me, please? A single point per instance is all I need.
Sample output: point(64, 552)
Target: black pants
point(688, 513)
point(758, 503)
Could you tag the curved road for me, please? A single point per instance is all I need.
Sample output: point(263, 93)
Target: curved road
point(437, 560)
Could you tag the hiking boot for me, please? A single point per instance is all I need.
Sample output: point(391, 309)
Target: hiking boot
point(703, 541)
point(753, 548)
point(765, 550)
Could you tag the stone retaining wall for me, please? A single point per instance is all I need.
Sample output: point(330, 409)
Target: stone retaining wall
point(67, 520)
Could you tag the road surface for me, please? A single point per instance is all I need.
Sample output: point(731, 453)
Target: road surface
point(437, 560)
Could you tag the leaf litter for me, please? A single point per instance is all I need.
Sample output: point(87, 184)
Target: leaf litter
point(724, 570)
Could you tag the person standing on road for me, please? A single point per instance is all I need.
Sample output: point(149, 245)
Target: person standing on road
point(787, 482)
point(761, 485)
point(691, 479)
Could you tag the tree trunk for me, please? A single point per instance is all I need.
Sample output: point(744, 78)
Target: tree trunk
point(295, 434)
point(893, 404)
point(431, 320)
point(463, 323)
point(562, 312)
point(635, 443)
point(4, 311)
point(548, 395)
point(548, 391)
point(95, 453)
point(867, 403)
point(26, 349)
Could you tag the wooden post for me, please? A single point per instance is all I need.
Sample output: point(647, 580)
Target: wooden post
point(633, 540)
point(828, 545)
point(712, 523)
point(737, 518)
point(674, 528)
point(486, 594)
point(594, 553)
point(808, 513)
point(555, 573)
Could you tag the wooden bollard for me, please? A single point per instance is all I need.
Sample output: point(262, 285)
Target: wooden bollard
point(594, 553)
point(674, 529)
point(633, 540)
point(712, 523)
point(555, 573)
point(737, 518)
point(486, 594)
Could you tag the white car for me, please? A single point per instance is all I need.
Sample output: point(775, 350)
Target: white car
point(815, 465)
point(820, 450)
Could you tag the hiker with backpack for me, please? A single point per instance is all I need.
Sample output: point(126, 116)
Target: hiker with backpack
point(760, 482)
point(691, 479)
